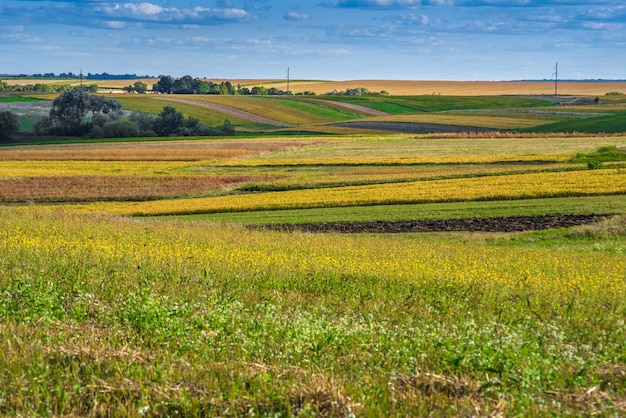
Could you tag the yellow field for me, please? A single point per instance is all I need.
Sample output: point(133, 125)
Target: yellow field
point(520, 186)
point(460, 88)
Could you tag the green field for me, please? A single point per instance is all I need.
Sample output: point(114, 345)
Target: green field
point(150, 278)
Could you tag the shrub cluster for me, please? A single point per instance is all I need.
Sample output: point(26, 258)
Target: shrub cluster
point(357, 91)
point(9, 125)
point(39, 88)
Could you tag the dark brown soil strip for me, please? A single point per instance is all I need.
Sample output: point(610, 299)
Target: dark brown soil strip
point(503, 224)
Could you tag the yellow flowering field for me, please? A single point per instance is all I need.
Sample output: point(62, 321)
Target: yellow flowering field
point(194, 318)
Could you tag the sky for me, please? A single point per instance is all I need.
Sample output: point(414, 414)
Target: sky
point(318, 40)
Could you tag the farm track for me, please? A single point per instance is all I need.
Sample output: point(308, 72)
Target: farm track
point(501, 224)
point(229, 110)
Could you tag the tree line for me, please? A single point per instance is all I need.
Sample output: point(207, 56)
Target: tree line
point(78, 113)
point(190, 85)
point(41, 88)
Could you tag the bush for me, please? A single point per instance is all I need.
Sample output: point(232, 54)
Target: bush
point(594, 165)
point(123, 128)
point(9, 125)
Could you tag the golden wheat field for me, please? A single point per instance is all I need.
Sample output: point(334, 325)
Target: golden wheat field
point(459, 88)
point(395, 87)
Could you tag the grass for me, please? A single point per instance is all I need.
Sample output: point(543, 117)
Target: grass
point(17, 99)
point(435, 103)
point(601, 124)
point(103, 315)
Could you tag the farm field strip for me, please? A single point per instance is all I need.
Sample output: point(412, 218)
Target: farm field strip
point(29, 168)
point(80, 188)
point(154, 151)
point(504, 121)
point(462, 88)
point(511, 187)
point(272, 160)
point(154, 105)
point(230, 244)
point(613, 204)
point(444, 146)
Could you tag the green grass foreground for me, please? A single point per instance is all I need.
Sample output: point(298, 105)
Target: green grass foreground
point(101, 316)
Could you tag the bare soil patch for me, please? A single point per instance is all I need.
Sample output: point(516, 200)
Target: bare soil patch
point(500, 224)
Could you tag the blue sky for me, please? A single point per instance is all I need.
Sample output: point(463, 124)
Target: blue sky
point(319, 39)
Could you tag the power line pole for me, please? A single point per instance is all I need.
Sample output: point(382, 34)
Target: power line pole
point(556, 79)
point(287, 80)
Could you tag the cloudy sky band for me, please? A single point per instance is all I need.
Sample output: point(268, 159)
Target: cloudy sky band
point(341, 39)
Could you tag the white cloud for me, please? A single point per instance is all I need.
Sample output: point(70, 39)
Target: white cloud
point(149, 12)
point(296, 16)
point(20, 38)
point(379, 4)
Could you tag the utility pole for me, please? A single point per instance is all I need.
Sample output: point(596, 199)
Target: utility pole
point(287, 80)
point(556, 79)
point(81, 78)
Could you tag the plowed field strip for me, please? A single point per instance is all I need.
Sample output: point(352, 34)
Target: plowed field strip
point(503, 224)
point(233, 111)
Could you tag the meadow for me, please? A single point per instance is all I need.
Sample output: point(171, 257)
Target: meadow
point(157, 278)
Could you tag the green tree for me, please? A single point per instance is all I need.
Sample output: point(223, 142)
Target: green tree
point(140, 87)
point(9, 125)
point(164, 85)
point(169, 121)
point(68, 112)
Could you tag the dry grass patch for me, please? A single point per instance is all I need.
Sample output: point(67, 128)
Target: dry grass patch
point(611, 227)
